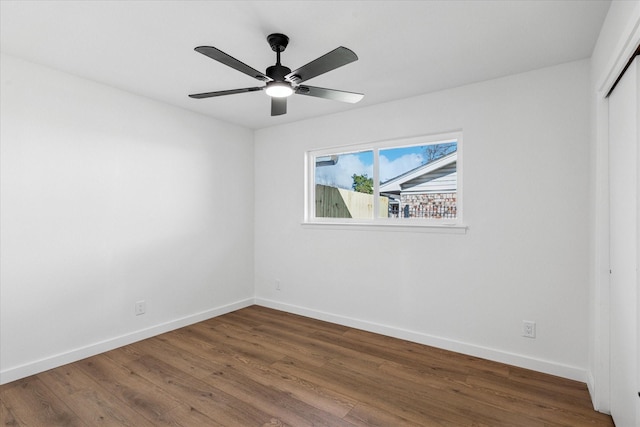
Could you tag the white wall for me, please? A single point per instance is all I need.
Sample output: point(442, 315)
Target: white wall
point(109, 198)
point(525, 255)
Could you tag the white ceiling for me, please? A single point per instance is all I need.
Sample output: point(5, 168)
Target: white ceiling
point(405, 48)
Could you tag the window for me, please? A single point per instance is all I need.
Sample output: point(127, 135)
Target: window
point(413, 181)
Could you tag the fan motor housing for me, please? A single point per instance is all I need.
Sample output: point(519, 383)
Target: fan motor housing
point(277, 72)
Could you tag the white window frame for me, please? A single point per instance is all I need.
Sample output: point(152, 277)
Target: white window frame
point(454, 225)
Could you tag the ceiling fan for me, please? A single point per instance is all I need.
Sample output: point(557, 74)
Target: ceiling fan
point(281, 82)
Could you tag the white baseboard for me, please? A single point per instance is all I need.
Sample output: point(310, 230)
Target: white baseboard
point(74, 355)
point(545, 366)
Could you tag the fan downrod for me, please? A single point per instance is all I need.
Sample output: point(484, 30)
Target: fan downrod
point(278, 42)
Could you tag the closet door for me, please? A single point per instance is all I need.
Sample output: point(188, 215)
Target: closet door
point(623, 190)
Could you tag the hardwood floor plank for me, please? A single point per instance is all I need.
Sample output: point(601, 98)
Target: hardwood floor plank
point(94, 405)
point(29, 402)
point(369, 392)
point(7, 415)
point(216, 352)
point(300, 324)
point(244, 348)
point(320, 398)
point(282, 405)
point(188, 416)
point(454, 367)
point(165, 349)
point(541, 382)
point(201, 395)
point(298, 350)
point(490, 408)
point(126, 353)
point(326, 400)
point(326, 349)
point(371, 416)
point(261, 367)
point(424, 352)
point(150, 401)
point(449, 402)
point(542, 396)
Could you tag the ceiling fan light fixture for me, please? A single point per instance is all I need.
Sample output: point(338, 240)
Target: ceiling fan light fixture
point(279, 89)
point(281, 82)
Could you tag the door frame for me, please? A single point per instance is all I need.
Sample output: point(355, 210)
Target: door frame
point(598, 377)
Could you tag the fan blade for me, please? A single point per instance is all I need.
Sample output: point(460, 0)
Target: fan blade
point(278, 106)
point(232, 62)
point(335, 95)
point(224, 92)
point(330, 61)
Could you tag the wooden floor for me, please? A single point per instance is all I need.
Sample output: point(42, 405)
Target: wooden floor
point(261, 367)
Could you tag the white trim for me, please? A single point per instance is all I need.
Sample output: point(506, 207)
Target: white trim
point(376, 182)
point(599, 378)
point(522, 361)
point(54, 361)
point(393, 224)
point(599, 389)
point(619, 60)
point(426, 139)
point(593, 390)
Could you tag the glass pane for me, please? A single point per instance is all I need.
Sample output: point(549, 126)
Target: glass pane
point(344, 185)
point(420, 181)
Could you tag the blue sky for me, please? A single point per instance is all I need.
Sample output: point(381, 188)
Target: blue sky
point(393, 162)
point(395, 153)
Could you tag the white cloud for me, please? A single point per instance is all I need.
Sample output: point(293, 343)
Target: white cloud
point(392, 168)
point(339, 175)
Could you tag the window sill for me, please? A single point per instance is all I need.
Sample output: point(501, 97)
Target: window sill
point(387, 226)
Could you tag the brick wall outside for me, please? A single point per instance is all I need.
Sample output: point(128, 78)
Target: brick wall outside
point(434, 205)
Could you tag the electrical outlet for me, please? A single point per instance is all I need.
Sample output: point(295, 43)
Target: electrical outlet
point(528, 329)
point(277, 284)
point(141, 308)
